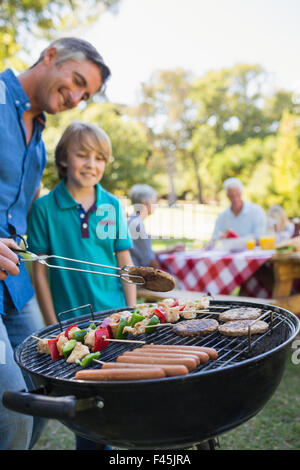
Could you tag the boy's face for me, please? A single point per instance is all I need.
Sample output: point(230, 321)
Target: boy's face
point(85, 168)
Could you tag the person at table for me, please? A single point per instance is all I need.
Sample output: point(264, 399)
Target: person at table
point(144, 197)
point(279, 223)
point(243, 217)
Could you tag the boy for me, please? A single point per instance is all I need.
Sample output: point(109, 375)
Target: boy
point(79, 219)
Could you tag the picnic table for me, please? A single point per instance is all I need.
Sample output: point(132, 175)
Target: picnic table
point(258, 273)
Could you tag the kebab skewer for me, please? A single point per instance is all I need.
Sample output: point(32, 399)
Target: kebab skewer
point(75, 343)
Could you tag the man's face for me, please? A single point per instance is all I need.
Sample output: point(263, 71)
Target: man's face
point(235, 197)
point(63, 86)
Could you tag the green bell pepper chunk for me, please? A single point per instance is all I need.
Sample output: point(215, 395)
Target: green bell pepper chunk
point(92, 326)
point(135, 318)
point(122, 323)
point(68, 347)
point(153, 321)
point(88, 359)
point(79, 335)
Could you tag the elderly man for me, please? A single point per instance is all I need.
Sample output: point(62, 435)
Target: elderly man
point(68, 70)
point(243, 217)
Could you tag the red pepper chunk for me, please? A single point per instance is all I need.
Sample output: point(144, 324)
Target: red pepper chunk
point(68, 329)
point(52, 343)
point(160, 314)
point(100, 342)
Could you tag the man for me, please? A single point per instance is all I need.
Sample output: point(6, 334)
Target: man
point(68, 71)
point(243, 217)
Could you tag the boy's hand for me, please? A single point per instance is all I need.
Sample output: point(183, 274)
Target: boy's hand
point(8, 259)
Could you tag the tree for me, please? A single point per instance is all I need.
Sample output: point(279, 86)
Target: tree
point(211, 127)
point(22, 20)
point(286, 165)
point(164, 110)
point(233, 119)
point(231, 102)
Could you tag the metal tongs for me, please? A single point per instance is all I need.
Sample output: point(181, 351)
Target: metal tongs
point(123, 274)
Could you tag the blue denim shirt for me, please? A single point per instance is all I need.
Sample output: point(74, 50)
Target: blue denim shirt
point(21, 168)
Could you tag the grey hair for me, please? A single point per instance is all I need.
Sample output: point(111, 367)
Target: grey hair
point(78, 50)
point(142, 193)
point(233, 183)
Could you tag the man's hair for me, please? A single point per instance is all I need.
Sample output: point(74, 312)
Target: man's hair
point(84, 136)
point(78, 50)
point(233, 183)
point(142, 192)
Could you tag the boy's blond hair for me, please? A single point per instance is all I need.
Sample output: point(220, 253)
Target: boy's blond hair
point(88, 137)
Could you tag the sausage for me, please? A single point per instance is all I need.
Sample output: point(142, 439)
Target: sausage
point(120, 374)
point(189, 362)
point(213, 354)
point(170, 370)
point(203, 357)
point(161, 354)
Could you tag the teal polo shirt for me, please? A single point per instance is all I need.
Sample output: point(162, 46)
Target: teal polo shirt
point(59, 225)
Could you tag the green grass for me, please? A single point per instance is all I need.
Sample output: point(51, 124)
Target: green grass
point(276, 427)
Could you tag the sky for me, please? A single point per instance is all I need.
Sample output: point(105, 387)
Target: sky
point(197, 35)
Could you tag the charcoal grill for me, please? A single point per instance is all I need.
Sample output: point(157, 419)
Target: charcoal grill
point(167, 413)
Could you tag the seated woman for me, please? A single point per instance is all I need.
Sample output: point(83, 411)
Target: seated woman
point(143, 197)
point(279, 222)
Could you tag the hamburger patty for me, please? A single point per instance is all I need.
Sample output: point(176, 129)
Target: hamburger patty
point(200, 327)
point(155, 279)
point(240, 327)
point(241, 313)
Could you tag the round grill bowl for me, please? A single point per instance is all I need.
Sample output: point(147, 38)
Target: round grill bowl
point(168, 413)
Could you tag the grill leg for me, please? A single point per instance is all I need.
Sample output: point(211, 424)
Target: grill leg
point(211, 444)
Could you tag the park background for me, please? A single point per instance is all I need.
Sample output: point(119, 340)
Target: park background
point(200, 91)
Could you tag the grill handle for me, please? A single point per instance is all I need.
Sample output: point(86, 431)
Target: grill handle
point(34, 404)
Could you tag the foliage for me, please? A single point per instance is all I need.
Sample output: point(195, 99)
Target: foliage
point(286, 166)
point(163, 109)
point(186, 134)
point(24, 20)
point(211, 127)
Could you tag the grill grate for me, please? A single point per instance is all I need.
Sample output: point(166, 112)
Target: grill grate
point(231, 350)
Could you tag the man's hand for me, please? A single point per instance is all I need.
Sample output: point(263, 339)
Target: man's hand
point(8, 259)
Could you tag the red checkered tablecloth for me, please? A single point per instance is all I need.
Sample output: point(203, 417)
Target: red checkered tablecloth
point(217, 272)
